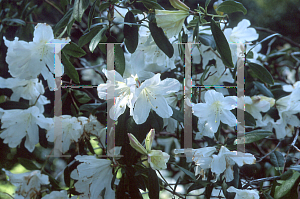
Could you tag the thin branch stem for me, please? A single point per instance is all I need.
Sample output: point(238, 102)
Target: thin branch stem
point(54, 6)
point(260, 180)
point(269, 152)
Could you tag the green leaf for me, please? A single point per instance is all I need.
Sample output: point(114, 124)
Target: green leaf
point(277, 159)
point(287, 186)
point(206, 4)
point(267, 196)
point(263, 89)
point(153, 185)
point(81, 96)
point(69, 68)
point(28, 164)
point(207, 40)
point(13, 105)
point(79, 8)
point(70, 24)
point(136, 11)
point(63, 22)
point(151, 4)
point(131, 35)
point(97, 39)
point(73, 50)
point(249, 119)
point(231, 6)
point(177, 115)
point(161, 40)
point(87, 37)
point(262, 73)
point(254, 136)
point(16, 21)
point(187, 172)
point(222, 44)
point(198, 185)
point(91, 14)
point(103, 6)
point(196, 32)
point(119, 59)
point(67, 178)
point(91, 107)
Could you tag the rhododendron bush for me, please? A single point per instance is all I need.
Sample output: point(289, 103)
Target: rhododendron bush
point(138, 99)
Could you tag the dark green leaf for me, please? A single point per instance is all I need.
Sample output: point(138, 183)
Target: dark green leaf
point(67, 178)
point(73, 50)
point(263, 89)
point(286, 187)
point(254, 136)
point(277, 159)
point(231, 6)
point(103, 6)
point(207, 40)
point(196, 32)
point(131, 35)
point(119, 59)
point(206, 4)
point(197, 185)
point(151, 4)
point(249, 119)
point(91, 107)
point(28, 164)
point(63, 22)
point(156, 121)
point(153, 185)
point(69, 68)
point(161, 40)
point(81, 96)
point(13, 105)
point(177, 115)
point(262, 73)
point(79, 8)
point(267, 196)
point(91, 14)
point(17, 21)
point(87, 37)
point(187, 172)
point(136, 11)
point(97, 39)
point(222, 44)
point(70, 24)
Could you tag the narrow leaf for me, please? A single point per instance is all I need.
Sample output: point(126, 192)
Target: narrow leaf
point(249, 119)
point(277, 159)
point(222, 44)
point(262, 73)
point(153, 185)
point(287, 187)
point(17, 21)
point(187, 172)
point(97, 39)
point(73, 50)
point(263, 89)
point(81, 96)
point(151, 4)
point(254, 136)
point(69, 68)
point(87, 37)
point(231, 6)
point(119, 59)
point(206, 4)
point(28, 164)
point(130, 33)
point(91, 14)
point(161, 40)
point(63, 22)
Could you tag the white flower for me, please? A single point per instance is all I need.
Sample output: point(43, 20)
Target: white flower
point(124, 90)
point(26, 60)
point(28, 184)
point(225, 160)
point(63, 194)
point(156, 158)
point(150, 95)
point(25, 124)
point(215, 109)
point(31, 90)
point(241, 33)
point(171, 21)
point(93, 176)
point(72, 130)
point(257, 104)
point(244, 194)
point(93, 126)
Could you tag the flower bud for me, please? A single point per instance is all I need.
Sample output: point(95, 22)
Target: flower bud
point(136, 144)
point(149, 140)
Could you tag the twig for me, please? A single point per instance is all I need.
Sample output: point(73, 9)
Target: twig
point(281, 36)
point(295, 139)
point(270, 152)
point(260, 180)
point(61, 12)
point(72, 162)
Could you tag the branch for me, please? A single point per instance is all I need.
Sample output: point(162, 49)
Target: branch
point(295, 139)
point(280, 36)
point(260, 180)
point(61, 12)
point(269, 152)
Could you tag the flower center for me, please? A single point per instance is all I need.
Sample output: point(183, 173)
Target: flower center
point(216, 107)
